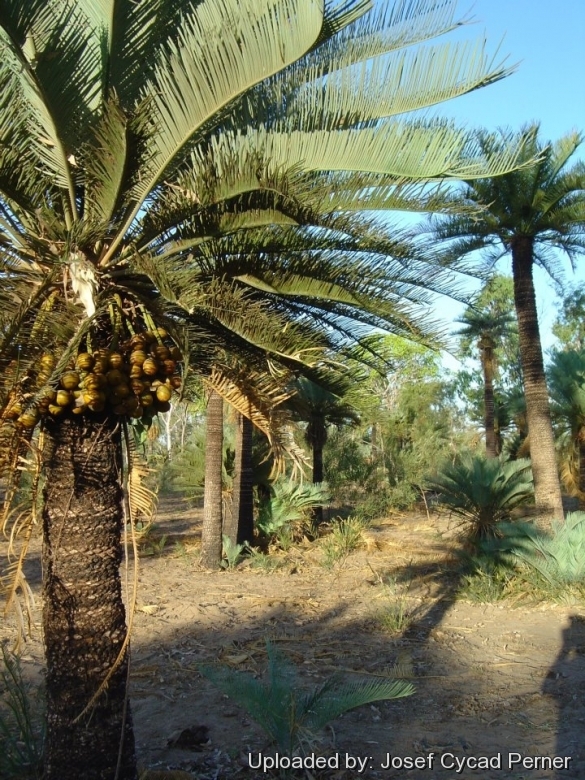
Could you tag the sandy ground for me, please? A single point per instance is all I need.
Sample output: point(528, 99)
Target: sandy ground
point(500, 685)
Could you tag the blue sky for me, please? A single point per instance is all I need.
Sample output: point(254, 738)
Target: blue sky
point(547, 40)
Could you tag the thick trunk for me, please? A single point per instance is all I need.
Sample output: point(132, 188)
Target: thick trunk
point(318, 441)
point(487, 362)
point(84, 621)
point(241, 527)
point(211, 544)
point(547, 488)
point(581, 445)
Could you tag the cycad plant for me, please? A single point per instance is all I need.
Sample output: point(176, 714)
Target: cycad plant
point(482, 492)
point(559, 556)
point(566, 378)
point(533, 214)
point(290, 715)
point(290, 502)
point(320, 408)
point(165, 169)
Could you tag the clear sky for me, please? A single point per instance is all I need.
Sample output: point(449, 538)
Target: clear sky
point(547, 40)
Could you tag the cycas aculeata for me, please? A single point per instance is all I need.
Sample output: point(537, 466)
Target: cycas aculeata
point(482, 492)
point(290, 715)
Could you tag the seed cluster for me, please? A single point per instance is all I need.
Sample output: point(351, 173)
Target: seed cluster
point(135, 379)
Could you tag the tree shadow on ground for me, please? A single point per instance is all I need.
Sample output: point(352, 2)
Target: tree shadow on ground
point(464, 705)
point(565, 685)
point(435, 720)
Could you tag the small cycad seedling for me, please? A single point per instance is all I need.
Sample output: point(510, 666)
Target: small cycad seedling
point(232, 552)
point(290, 715)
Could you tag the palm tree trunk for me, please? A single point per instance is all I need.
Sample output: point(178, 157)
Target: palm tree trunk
point(211, 546)
point(242, 526)
point(487, 363)
point(84, 620)
point(581, 445)
point(547, 488)
point(318, 439)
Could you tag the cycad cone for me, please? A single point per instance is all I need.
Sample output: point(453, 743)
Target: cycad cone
point(138, 379)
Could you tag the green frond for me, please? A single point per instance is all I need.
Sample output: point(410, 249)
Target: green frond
point(341, 15)
point(336, 697)
point(132, 37)
point(392, 85)
point(388, 27)
point(53, 78)
point(223, 49)
point(401, 149)
point(560, 556)
point(259, 396)
point(104, 161)
point(284, 710)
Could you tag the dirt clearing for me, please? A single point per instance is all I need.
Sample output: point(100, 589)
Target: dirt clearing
point(500, 688)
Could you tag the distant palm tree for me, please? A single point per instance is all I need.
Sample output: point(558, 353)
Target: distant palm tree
point(566, 378)
point(529, 213)
point(320, 408)
point(487, 329)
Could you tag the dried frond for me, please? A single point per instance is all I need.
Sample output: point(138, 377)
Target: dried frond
point(141, 501)
point(259, 397)
point(19, 520)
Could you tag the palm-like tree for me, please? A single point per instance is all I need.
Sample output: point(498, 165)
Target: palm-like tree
point(320, 408)
point(566, 378)
point(133, 136)
point(529, 213)
point(487, 330)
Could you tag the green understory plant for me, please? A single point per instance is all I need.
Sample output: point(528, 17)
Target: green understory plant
point(21, 729)
point(524, 558)
point(486, 581)
point(345, 537)
point(290, 504)
point(482, 492)
point(290, 715)
point(232, 553)
point(395, 617)
point(559, 557)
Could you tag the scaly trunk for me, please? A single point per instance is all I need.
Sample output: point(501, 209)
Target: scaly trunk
point(84, 620)
point(241, 527)
point(487, 363)
point(318, 437)
point(581, 446)
point(211, 543)
point(547, 488)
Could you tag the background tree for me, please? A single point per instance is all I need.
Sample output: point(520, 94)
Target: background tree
point(528, 213)
point(487, 322)
point(569, 326)
point(320, 408)
point(408, 423)
point(566, 377)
